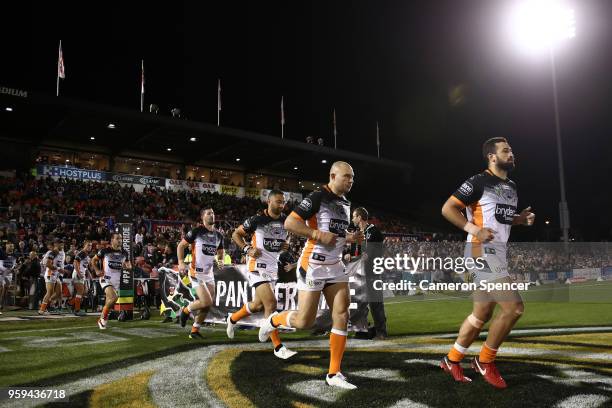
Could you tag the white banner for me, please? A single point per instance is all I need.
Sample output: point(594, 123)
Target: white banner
point(184, 185)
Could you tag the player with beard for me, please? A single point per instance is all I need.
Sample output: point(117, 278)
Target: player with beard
point(268, 239)
point(490, 200)
point(206, 243)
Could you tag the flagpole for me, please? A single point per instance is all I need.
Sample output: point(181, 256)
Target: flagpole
point(59, 56)
point(335, 131)
point(142, 86)
point(282, 118)
point(378, 139)
point(218, 102)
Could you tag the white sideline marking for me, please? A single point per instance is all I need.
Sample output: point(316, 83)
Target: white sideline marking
point(408, 403)
point(583, 401)
point(317, 389)
point(435, 363)
point(379, 374)
point(561, 330)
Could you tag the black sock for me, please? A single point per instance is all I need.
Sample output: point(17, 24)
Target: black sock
point(278, 347)
point(231, 321)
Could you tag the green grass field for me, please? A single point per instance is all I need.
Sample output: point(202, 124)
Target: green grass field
point(74, 352)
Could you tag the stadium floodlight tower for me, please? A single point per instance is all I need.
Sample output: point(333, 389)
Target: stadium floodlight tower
point(540, 26)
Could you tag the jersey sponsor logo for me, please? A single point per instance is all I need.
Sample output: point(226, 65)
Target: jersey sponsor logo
point(210, 250)
point(466, 188)
point(114, 264)
point(306, 204)
point(272, 245)
point(337, 226)
point(504, 213)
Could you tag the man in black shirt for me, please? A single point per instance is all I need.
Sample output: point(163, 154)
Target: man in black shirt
point(372, 247)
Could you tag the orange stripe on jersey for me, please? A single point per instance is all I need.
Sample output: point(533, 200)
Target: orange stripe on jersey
point(458, 201)
point(310, 244)
point(253, 261)
point(478, 221)
point(193, 260)
point(296, 215)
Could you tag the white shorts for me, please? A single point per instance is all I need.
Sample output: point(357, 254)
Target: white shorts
point(112, 280)
point(318, 276)
point(261, 276)
point(496, 267)
point(5, 280)
point(76, 279)
point(53, 278)
point(202, 278)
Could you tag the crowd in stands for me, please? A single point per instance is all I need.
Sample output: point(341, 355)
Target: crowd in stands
point(35, 211)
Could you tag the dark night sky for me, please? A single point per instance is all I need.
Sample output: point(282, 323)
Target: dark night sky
point(392, 61)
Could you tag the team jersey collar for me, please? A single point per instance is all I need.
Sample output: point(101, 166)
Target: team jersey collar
point(494, 175)
point(326, 188)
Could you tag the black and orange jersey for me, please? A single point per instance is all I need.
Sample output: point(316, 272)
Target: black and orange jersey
point(324, 211)
point(204, 247)
point(269, 234)
point(490, 202)
point(58, 259)
point(83, 259)
point(112, 260)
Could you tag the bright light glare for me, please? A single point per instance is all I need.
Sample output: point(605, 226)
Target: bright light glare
point(539, 25)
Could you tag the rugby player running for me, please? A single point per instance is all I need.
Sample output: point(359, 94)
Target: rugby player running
point(323, 217)
point(490, 200)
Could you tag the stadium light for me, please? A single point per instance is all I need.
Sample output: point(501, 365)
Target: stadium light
point(137, 168)
point(92, 138)
point(111, 126)
point(169, 149)
point(295, 168)
point(237, 159)
point(541, 26)
point(324, 161)
point(193, 139)
point(8, 109)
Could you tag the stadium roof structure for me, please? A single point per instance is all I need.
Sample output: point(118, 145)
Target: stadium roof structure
point(40, 120)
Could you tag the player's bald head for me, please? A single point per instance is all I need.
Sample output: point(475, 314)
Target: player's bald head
point(341, 177)
point(340, 167)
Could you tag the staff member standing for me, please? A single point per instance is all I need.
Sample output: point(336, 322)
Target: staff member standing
point(372, 246)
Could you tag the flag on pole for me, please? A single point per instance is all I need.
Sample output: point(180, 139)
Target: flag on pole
point(61, 69)
point(282, 118)
point(218, 102)
point(335, 131)
point(377, 139)
point(142, 83)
